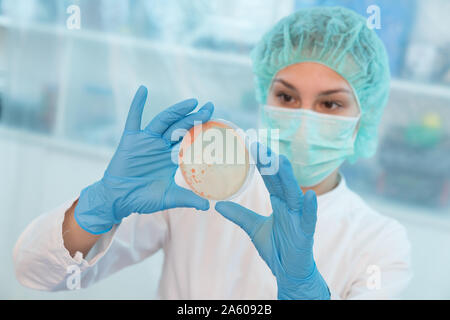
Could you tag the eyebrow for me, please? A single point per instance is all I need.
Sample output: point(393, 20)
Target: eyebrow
point(286, 84)
point(323, 93)
point(328, 92)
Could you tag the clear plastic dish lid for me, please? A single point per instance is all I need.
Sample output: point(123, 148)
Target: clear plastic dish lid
point(215, 161)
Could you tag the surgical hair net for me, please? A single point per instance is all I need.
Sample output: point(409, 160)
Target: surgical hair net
point(339, 39)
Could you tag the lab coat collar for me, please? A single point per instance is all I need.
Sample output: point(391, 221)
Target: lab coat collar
point(324, 199)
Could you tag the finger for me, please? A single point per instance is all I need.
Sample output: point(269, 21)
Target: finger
point(186, 123)
point(162, 121)
point(266, 159)
point(293, 195)
point(281, 182)
point(308, 218)
point(178, 197)
point(248, 220)
point(134, 117)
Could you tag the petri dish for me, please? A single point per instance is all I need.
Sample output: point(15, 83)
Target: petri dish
point(215, 161)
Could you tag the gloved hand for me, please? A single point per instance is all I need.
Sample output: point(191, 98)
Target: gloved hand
point(284, 240)
point(140, 176)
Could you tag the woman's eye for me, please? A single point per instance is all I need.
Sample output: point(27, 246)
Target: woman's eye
point(285, 97)
point(331, 105)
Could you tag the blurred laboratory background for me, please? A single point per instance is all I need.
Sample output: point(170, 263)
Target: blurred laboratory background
point(65, 93)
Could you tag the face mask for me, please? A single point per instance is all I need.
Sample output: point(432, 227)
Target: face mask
point(316, 144)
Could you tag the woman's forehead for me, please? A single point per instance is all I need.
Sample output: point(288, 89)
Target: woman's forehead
point(313, 78)
point(312, 73)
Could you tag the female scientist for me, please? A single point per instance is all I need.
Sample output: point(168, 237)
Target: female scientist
point(322, 79)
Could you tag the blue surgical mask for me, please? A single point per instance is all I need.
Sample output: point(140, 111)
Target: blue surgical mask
point(316, 144)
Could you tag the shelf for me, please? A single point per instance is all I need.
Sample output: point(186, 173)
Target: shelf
point(210, 55)
point(435, 90)
point(126, 41)
point(56, 143)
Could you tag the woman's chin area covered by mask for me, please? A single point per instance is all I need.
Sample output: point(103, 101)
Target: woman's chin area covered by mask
point(326, 185)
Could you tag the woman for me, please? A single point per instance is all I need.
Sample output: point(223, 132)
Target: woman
point(322, 79)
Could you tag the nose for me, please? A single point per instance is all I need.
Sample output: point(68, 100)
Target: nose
point(307, 106)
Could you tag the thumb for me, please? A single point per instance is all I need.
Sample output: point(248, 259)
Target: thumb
point(248, 220)
point(177, 197)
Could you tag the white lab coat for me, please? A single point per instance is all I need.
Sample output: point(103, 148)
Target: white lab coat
point(360, 253)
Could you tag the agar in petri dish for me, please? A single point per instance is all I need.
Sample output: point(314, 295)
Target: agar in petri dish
point(215, 161)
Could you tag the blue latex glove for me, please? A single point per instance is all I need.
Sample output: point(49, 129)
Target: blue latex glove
point(284, 240)
point(140, 176)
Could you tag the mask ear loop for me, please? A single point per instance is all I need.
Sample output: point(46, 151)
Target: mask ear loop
point(355, 133)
